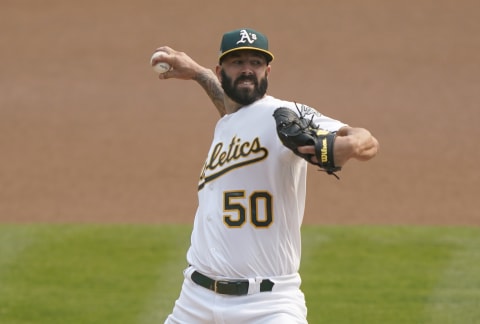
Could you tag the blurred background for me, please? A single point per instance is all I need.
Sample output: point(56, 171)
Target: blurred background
point(89, 134)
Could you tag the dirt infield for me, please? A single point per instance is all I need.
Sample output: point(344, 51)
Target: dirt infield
point(88, 133)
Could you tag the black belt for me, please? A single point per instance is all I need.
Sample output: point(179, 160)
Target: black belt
point(226, 287)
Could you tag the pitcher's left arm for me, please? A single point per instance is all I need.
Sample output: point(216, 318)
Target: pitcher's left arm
point(350, 143)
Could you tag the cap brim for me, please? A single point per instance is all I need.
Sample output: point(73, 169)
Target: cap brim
point(269, 55)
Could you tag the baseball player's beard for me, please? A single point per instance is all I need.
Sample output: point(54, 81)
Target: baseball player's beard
point(244, 96)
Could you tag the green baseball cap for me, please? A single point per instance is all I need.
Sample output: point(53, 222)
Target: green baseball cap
point(244, 39)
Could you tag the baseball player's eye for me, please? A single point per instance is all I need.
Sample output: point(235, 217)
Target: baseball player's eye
point(257, 63)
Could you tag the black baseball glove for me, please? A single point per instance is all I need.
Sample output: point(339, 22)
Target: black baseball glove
point(295, 131)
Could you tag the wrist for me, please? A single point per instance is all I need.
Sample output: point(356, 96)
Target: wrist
point(343, 149)
point(201, 74)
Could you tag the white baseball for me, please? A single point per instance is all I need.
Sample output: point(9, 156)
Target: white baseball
point(160, 67)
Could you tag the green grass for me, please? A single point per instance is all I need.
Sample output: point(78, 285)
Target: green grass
point(392, 274)
point(89, 274)
point(133, 273)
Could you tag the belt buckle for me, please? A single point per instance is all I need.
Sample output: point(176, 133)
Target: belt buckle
point(215, 285)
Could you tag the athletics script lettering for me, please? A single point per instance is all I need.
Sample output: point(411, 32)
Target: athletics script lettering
point(228, 157)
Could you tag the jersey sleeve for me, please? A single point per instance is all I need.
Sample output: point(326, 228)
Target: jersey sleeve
point(322, 121)
point(329, 124)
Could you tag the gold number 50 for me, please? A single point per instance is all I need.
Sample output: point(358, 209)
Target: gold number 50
point(258, 206)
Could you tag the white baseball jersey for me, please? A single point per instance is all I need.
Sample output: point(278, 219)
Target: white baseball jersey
point(251, 196)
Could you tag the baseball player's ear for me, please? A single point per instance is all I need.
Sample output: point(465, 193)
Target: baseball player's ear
point(218, 70)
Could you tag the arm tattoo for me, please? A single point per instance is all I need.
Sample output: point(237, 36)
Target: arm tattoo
point(212, 87)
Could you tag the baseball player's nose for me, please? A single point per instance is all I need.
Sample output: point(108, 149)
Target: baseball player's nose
point(247, 71)
point(247, 68)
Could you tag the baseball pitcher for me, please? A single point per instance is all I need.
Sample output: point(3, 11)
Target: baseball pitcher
point(244, 256)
